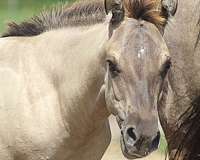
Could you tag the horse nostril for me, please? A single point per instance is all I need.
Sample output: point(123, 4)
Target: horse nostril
point(131, 133)
point(155, 142)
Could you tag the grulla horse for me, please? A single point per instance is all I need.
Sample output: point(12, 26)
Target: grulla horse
point(180, 108)
point(64, 72)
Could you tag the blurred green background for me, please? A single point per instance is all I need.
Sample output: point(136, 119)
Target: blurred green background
point(19, 10)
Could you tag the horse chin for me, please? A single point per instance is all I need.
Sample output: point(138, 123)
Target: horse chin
point(128, 154)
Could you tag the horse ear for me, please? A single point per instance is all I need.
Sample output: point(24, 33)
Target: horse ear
point(169, 8)
point(116, 7)
point(111, 5)
point(107, 5)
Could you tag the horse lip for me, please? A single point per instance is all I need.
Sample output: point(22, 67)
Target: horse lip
point(125, 150)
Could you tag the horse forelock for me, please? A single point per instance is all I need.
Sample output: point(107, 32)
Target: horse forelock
point(147, 10)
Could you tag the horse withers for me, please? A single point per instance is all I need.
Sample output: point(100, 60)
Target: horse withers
point(64, 72)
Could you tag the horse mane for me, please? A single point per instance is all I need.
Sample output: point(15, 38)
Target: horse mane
point(60, 16)
point(83, 13)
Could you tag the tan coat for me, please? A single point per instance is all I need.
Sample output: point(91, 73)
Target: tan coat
point(45, 114)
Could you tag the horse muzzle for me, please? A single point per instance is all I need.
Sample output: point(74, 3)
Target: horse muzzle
point(134, 145)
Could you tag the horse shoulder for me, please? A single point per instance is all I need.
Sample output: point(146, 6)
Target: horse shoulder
point(29, 108)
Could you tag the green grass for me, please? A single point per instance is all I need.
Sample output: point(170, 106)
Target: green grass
point(163, 145)
point(23, 11)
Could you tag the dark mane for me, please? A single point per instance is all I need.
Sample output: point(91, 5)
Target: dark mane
point(85, 12)
point(79, 13)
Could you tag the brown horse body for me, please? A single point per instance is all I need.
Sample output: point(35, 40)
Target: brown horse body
point(180, 116)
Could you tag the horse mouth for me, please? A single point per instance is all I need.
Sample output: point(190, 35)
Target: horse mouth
point(127, 153)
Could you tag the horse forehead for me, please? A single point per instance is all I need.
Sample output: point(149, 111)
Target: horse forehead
point(139, 43)
point(140, 48)
point(134, 27)
point(138, 40)
point(141, 55)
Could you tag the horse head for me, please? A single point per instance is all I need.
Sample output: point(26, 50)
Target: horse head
point(137, 62)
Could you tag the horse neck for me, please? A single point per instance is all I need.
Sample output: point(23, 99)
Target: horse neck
point(74, 58)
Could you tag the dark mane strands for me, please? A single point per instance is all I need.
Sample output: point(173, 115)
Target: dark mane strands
point(85, 12)
point(77, 14)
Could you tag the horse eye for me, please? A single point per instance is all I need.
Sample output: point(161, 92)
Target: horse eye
point(113, 68)
point(165, 68)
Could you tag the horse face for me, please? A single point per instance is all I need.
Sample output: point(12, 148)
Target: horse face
point(137, 61)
